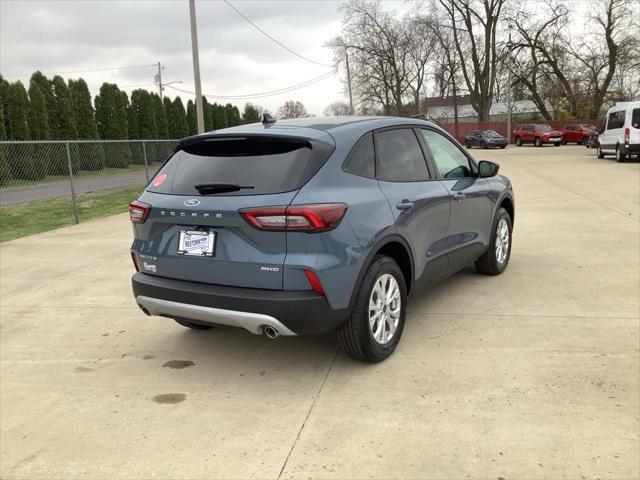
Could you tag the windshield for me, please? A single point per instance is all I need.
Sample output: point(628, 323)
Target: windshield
point(492, 133)
point(590, 127)
point(544, 128)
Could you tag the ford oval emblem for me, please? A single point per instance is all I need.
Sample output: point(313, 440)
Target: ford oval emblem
point(192, 202)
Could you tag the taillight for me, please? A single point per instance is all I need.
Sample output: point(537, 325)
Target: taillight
point(301, 218)
point(314, 281)
point(138, 211)
point(627, 132)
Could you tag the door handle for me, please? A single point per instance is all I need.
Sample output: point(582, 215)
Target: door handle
point(459, 196)
point(405, 205)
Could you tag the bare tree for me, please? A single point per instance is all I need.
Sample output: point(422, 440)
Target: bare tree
point(474, 24)
point(338, 109)
point(292, 109)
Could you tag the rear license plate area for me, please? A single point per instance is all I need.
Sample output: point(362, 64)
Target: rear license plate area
point(196, 243)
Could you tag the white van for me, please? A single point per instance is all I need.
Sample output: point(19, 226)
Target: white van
point(620, 135)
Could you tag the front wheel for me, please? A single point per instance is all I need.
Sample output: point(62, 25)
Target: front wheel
point(600, 154)
point(484, 145)
point(538, 142)
point(372, 332)
point(494, 261)
point(467, 144)
point(518, 142)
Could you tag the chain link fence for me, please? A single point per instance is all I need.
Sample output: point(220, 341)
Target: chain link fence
point(47, 184)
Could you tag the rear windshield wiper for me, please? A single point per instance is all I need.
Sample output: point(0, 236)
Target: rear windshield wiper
point(208, 188)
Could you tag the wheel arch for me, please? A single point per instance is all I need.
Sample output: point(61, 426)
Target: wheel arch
point(393, 246)
point(506, 202)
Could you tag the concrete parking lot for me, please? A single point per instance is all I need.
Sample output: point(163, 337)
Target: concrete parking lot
point(531, 374)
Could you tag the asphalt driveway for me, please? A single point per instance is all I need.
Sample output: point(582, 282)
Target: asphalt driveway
point(532, 374)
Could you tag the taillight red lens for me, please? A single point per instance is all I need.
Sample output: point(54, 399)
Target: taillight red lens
point(138, 211)
point(314, 281)
point(627, 132)
point(302, 218)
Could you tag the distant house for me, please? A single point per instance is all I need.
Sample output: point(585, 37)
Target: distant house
point(441, 109)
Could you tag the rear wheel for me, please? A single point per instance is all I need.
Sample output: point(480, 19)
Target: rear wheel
point(484, 145)
point(494, 261)
point(195, 326)
point(537, 142)
point(467, 144)
point(620, 156)
point(374, 329)
point(518, 142)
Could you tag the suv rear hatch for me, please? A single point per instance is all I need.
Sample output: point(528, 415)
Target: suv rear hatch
point(193, 230)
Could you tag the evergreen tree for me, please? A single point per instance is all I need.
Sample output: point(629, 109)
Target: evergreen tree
point(4, 94)
point(177, 118)
point(167, 106)
point(207, 115)
point(251, 114)
point(219, 117)
point(143, 112)
point(111, 117)
point(39, 130)
point(22, 165)
point(63, 127)
point(45, 86)
point(91, 154)
point(233, 115)
point(192, 120)
point(4, 166)
point(163, 149)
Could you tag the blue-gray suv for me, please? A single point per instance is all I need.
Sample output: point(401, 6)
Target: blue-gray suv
point(310, 225)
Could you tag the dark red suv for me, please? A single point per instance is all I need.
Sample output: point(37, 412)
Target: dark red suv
point(578, 134)
point(537, 134)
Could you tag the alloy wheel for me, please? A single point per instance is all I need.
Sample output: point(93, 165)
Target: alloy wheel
point(502, 241)
point(384, 308)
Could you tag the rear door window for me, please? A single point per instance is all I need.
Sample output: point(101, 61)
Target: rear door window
point(399, 156)
point(261, 165)
point(635, 118)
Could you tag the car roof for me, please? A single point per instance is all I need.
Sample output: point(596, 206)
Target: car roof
point(325, 129)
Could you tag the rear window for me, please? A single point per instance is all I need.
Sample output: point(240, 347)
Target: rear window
point(267, 164)
point(635, 118)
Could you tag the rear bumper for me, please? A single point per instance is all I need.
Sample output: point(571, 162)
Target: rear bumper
point(289, 312)
point(632, 148)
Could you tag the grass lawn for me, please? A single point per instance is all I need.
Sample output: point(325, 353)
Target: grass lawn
point(36, 217)
point(12, 182)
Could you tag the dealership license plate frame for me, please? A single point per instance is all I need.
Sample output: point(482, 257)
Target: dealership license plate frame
point(187, 234)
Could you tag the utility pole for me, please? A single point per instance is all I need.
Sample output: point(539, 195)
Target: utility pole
point(159, 79)
point(196, 65)
point(509, 108)
point(346, 57)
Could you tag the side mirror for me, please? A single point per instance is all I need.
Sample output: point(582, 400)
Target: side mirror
point(487, 169)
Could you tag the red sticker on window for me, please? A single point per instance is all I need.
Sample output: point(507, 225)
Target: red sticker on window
point(159, 180)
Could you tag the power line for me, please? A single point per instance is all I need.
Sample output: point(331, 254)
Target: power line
point(263, 94)
point(273, 39)
point(85, 71)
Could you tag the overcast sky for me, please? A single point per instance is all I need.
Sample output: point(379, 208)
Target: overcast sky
point(235, 59)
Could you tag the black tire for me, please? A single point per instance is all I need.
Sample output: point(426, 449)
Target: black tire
point(195, 326)
point(564, 141)
point(488, 264)
point(537, 142)
point(599, 152)
point(354, 335)
point(518, 142)
point(484, 145)
point(467, 144)
point(503, 146)
point(620, 157)
point(557, 144)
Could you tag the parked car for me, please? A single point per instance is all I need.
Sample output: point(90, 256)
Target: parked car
point(592, 140)
point(485, 139)
point(620, 134)
point(578, 133)
point(538, 134)
point(311, 225)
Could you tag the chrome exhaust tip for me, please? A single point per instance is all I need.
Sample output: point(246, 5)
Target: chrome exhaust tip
point(270, 332)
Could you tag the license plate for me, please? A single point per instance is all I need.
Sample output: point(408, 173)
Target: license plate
point(197, 243)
